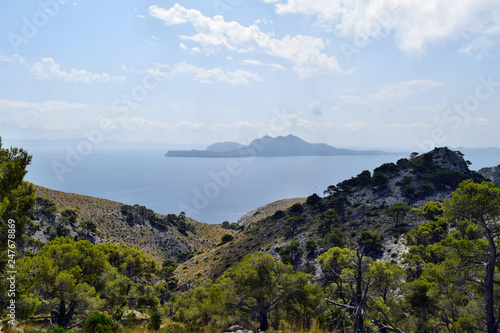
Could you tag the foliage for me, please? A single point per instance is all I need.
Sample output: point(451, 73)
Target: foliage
point(231, 226)
point(226, 238)
point(387, 168)
point(17, 197)
point(370, 244)
point(174, 328)
point(333, 238)
point(46, 208)
point(311, 246)
point(168, 268)
point(398, 211)
point(313, 199)
point(89, 226)
point(432, 210)
point(296, 209)
point(68, 216)
point(253, 289)
point(363, 288)
point(67, 278)
point(292, 223)
point(184, 256)
point(290, 253)
point(98, 322)
point(380, 179)
point(155, 321)
point(328, 218)
point(278, 214)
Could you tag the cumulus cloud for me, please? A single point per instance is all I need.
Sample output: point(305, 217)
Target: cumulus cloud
point(238, 77)
point(48, 69)
point(414, 24)
point(305, 52)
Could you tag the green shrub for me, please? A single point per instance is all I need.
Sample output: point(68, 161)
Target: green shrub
point(155, 321)
point(98, 322)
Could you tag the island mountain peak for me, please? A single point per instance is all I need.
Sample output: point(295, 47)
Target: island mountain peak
point(289, 145)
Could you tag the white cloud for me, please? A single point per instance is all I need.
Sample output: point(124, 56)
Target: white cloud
point(215, 33)
point(141, 124)
point(7, 104)
point(48, 69)
point(14, 58)
point(403, 89)
point(238, 77)
point(394, 91)
point(414, 24)
point(260, 63)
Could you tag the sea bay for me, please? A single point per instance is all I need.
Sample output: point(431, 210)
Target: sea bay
point(210, 190)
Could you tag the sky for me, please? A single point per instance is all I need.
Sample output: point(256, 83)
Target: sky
point(350, 73)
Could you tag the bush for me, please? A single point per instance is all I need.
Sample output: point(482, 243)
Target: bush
point(371, 243)
point(155, 321)
point(98, 322)
point(380, 179)
point(89, 225)
point(296, 209)
point(313, 199)
point(333, 238)
point(184, 256)
point(278, 214)
point(310, 246)
point(226, 239)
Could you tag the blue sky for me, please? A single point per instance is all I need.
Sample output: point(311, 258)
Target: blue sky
point(358, 73)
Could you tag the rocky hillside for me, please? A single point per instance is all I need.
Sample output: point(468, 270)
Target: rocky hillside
point(492, 174)
point(355, 211)
point(98, 220)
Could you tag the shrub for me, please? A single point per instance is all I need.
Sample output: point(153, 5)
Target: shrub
point(371, 243)
point(313, 199)
point(98, 322)
point(296, 209)
point(184, 256)
point(155, 321)
point(310, 246)
point(379, 179)
point(278, 214)
point(226, 239)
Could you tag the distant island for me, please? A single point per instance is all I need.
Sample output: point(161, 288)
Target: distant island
point(267, 146)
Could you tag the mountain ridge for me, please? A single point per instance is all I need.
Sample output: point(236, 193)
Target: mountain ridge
point(267, 146)
point(361, 204)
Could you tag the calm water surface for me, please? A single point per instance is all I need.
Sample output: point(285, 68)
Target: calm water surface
point(208, 190)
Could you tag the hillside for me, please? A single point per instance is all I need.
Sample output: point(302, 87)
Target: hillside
point(289, 145)
point(350, 207)
point(158, 236)
point(492, 174)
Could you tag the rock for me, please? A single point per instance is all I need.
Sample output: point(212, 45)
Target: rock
point(133, 314)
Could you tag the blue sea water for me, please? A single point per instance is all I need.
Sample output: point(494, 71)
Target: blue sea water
point(209, 190)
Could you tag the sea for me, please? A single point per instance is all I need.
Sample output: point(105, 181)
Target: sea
point(210, 190)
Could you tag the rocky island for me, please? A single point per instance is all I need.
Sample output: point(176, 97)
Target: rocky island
point(267, 146)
